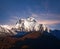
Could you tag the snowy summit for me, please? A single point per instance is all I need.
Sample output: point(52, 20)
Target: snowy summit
point(29, 24)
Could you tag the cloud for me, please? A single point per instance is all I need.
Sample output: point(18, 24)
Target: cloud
point(47, 18)
point(49, 22)
point(12, 20)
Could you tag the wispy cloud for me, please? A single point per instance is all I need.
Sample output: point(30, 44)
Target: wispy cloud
point(12, 20)
point(49, 22)
point(47, 18)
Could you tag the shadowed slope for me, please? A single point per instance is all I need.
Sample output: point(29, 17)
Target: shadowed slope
point(33, 40)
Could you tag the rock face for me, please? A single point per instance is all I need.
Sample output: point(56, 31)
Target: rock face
point(26, 25)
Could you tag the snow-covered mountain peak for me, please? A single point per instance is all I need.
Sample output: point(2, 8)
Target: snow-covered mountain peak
point(27, 25)
point(30, 24)
point(31, 19)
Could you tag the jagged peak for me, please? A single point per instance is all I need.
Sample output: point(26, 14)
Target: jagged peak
point(27, 25)
point(31, 19)
point(30, 24)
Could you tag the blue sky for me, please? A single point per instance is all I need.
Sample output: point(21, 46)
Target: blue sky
point(45, 11)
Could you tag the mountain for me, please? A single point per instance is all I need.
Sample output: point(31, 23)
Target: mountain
point(25, 25)
point(56, 33)
point(32, 40)
point(5, 31)
point(28, 34)
point(30, 24)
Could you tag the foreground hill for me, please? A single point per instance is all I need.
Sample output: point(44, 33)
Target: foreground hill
point(33, 40)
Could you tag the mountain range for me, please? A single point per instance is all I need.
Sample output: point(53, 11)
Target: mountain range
point(26, 25)
point(28, 34)
point(31, 40)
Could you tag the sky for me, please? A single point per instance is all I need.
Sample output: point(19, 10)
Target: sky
point(45, 11)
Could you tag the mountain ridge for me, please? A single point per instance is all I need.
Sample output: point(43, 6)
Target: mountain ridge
point(26, 25)
point(33, 40)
